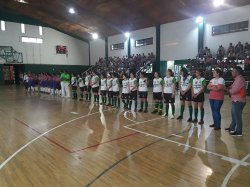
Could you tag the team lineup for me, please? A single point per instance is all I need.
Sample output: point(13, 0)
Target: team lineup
point(106, 91)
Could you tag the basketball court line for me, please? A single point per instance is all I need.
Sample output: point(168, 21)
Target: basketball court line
point(126, 157)
point(231, 172)
point(223, 157)
point(41, 135)
point(49, 139)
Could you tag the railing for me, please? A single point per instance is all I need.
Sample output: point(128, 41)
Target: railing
point(10, 55)
point(145, 68)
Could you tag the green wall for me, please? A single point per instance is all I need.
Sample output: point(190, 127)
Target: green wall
point(1, 74)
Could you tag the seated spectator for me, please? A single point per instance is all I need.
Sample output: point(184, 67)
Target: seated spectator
point(220, 53)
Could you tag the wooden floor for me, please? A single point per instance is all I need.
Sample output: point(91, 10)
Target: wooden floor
point(49, 141)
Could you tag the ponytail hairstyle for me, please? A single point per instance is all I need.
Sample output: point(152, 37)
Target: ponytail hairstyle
point(171, 72)
point(185, 73)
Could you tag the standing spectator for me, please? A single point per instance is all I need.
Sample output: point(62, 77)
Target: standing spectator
point(74, 85)
point(62, 83)
point(220, 53)
point(231, 47)
point(67, 83)
point(238, 49)
point(237, 92)
point(216, 97)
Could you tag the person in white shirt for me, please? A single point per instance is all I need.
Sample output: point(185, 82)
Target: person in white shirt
point(109, 90)
point(116, 92)
point(157, 93)
point(74, 85)
point(125, 91)
point(185, 84)
point(103, 88)
point(143, 92)
point(133, 84)
point(198, 89)
point(88, 86)
point(169, 91)
point(81, 86)
point(95, 81)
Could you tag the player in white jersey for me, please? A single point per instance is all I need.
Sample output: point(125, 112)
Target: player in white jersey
point(125, 91)
point(116, 92)
point(81, 85)
point(95, 81)
point(74, 85)
point(88, 86)
point(198, 89)
point(133, 84)
point(143, 91)
point(185, 84)
point(103, 88)
point(157, 93)
point(169, 91)
point(109, 90)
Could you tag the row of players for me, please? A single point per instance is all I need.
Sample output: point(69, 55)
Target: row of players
point(163, 90)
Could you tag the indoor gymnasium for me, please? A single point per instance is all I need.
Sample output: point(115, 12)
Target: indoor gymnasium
point(124, 93)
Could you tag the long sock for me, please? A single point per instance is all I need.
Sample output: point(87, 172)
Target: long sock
point(130, 104)
point(94, 98)
point(195, 113)
point(142, 103)
point(190, 111)
point(89, 96)
point(86, 96)
point(136, 105)
point(156, 105)
point(115, 101)
point(182, 110)
point(109, 100)
point(161, 105)
point(105, 100)
point(146, 105)
point(167, 107)
point(173, 108)
point(125, 103)
point(97, 98)
point(202, 113)
point(119, 102)
point(81, 95)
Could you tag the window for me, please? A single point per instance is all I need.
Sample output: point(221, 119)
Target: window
point(2, 25)
point(22, 28)
point(143, 42)
point(230, 28)
point(40, 30)
point(117, 46)
point(31, 40)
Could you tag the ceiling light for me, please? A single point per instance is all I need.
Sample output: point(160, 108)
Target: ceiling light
point(95, 36)
point(127, 34)
point(72, 11)
point(21, 1)
point(218, 3)
point(199, 19)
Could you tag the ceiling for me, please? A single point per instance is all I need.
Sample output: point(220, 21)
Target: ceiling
point(110, 17)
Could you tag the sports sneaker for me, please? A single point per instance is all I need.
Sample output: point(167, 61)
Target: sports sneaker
point(172, 116)
point(189, 120)
point(212, 125)
point(195, 121)
point(235, 134)
point(145, 111)
point(154, 111)
point(160, 112)
point(228, 129)
point(201, 122)
point(217, 128)
point(140, 110)
point(180, 117)
point(135, 110)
